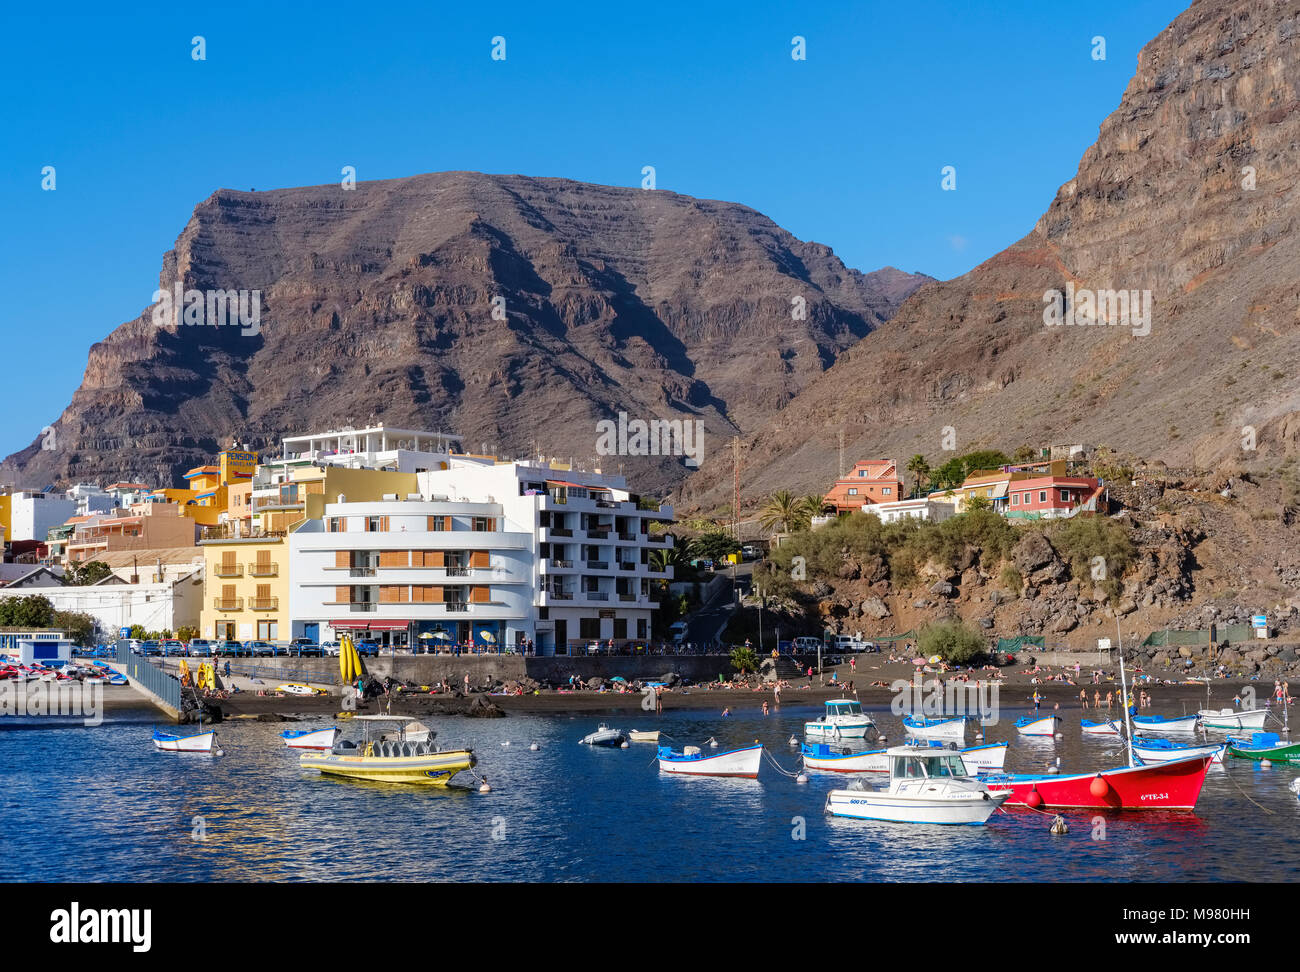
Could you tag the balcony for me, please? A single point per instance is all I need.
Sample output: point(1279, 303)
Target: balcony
point(556, 562)
point(457, 607)
point(627, 537)
point(457, 571)
point(627, 597)
point(598, 565)
point(228, 603)
point(229, 570)
point(361, 572)
point(598, 533)
point(595, 595)
point(627, 566)
point(362, 606)
point(561, 532)
point(263, 570)
point(264, 603)
point(560, 595)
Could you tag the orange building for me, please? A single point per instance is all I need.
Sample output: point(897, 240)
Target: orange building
point(870, 481)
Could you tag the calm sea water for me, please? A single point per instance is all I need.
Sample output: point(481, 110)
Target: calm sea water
point(101, 805)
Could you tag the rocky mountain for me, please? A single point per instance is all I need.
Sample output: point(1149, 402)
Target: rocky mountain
point(1187, 204)
point(516, 311)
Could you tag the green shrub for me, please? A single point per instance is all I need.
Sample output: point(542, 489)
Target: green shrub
point(953, 641)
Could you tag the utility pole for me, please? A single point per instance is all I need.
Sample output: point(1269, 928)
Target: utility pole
point(841, 475)
point(735, 487)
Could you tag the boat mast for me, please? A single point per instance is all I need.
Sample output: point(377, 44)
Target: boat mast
point(1123, 687)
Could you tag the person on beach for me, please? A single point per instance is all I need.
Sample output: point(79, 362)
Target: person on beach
point(1110, 699)
point(1096, 700)
point(765, 707)
point(726, 712)
point(776, 691)
point(1083, 698)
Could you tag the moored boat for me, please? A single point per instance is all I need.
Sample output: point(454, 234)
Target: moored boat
point(1091, 728)
point(1037, 725)
point(691, 761)
point(1163, 724)
point(1264, 745)
point(643, 735)
point(199, 742)
point(940, 728)
point(989, 758)
point(1163, 750)
point(387, 760)
point(843, 719)
point(310, 738)
point(926, 785)
point(1233, 718)
point(1172, 785)
point(604, 736)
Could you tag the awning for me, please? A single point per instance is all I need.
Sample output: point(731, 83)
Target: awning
point(561, 482)
point(370, 625)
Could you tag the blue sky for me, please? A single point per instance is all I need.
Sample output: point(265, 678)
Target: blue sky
point(845, 147)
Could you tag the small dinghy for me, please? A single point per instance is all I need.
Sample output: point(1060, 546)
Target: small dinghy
point(322, 739)
point(644, 735)
point(691, 761)
point(200, 742)
point(604, 736)
point(1163, 750)
point(1091, 728)
point(1161, 724)
point(1264, 745)
point(1233, 718)
point(923, 728)
point(1037, 725)
point(926, 786)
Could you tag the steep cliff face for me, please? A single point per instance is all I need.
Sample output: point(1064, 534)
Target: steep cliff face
point(516, 311)
point(1189, 200)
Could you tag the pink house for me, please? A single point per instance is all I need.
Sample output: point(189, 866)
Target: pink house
point(1051, 496)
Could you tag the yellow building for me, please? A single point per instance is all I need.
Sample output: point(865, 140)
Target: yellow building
point(6, 514)
point(205, 495)
point(246, 562)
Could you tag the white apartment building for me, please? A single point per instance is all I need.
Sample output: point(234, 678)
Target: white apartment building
point(488, 553)
point(920, 508)
point(164, 605)
point(33, 514)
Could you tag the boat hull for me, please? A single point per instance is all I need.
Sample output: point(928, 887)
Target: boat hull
point(202, 742)
point(1173, 785)
point(979, 759)
point(643, 735)
point(1157, 724)
point(1045, 726)
point(1158, 754)
point(433, 769)
point(893, 808)
point(1100, 729)
point(738, 762)
point(322, 739)
point(1253, 719)
point(855, 729)
point(951, 729)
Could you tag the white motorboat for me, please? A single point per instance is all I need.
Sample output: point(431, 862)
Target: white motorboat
point(989, 758)
point(691, 761)
point(1163, 724)
point(1232, 718)
point(604, 736)
point(1108, 728)
point(200, 742)
point(311, 738)
point(926, 786)
point(1164, 750)
point(941, 728)
point(843, 719)
point(1037, 725)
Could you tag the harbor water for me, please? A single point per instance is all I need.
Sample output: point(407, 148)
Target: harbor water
point(99, 804)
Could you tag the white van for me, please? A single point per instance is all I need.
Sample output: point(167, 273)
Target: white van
point(677, 631)
point(851, 643)
point(806, 644)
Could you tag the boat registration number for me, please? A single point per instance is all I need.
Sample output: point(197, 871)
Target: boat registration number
point(1155, 796)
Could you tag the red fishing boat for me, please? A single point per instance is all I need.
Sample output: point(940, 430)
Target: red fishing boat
point(1175, 785)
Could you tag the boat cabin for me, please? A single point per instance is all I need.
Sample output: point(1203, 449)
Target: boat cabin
point(843, 707)
point(916, 763)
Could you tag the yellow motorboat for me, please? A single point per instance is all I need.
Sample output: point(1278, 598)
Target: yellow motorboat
point(390, 760)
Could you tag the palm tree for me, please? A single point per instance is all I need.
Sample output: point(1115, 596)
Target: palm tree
point(781, 510)
point(805, 509)
point(919, 468)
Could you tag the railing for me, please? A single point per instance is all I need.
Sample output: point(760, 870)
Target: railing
point(630, 537)
point(598, 565)
point(361, 606)
point(555, 562)
point(229, 570)
point(560, 595)
point(166, 687)
point(598, 534)
point(228, 603)
point(264, 603)
point(361, 572)
point(457, 607)
point(263, 570)
point(623, 565)
point(457, 571)
point(595, 595)
point(627, 597)
point(561, 532)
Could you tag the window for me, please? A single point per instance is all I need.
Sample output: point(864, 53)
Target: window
point(439, 523)
point(376, 524)
point(885, 490)
point(1065, 496)
point(853, 491)
point(1015, 499)
point(336, 524)
point(484, 524)
point(589, 627)
point(1042, 496)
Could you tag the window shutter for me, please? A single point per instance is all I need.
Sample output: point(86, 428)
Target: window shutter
point(342, 558)
point(479, 558)
point(393, 558)
point(342, 595)
point(478, 595)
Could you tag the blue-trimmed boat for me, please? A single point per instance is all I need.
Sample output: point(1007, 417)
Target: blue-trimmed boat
point(1163, 724)
point(1164, 750)
point(1264, 745)
point(1108, 728)
point(691, 761)
point(940, 728)
point(843, 719)
point(1037, 725)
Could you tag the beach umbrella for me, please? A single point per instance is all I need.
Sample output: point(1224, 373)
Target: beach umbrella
point(918, 661)
point(488, 636)
point(427, 635)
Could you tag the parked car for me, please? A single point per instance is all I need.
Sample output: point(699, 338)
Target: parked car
point(228, 649)
point(368, 648)
point(806, 644)
point(150, 648)
point(173, 648)
point(305, 647)
point(200, 647)
point(330, 648)
point(259, 649)
point(677, 632)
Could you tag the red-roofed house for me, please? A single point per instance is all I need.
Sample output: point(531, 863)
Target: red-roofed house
point(1048, 497)
point(870, 481)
